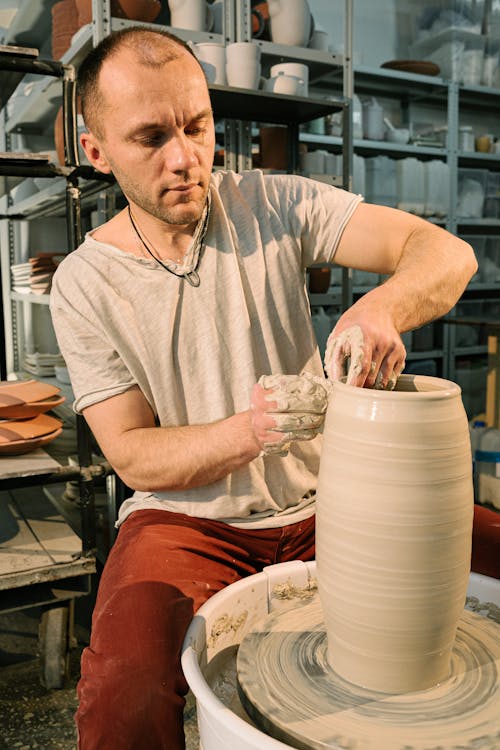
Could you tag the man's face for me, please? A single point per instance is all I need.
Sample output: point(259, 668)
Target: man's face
point(158, 135)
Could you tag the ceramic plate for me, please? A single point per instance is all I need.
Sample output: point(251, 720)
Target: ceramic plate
point(422, 67)
point(25, 411)
point(25, 446)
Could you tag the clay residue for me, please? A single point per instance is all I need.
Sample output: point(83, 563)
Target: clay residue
point(485, 609)
point(289, 590)
point(305, 393)
point(339, 348)
point(226, 624)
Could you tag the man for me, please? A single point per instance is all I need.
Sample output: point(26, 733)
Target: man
point(167, 316)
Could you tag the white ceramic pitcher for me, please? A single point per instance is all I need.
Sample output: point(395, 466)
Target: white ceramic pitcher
point(290, 22)
point(195, 15)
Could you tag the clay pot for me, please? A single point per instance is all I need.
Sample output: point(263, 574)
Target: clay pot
point(393, 531)
point(138, 10)
point(64, 25)
point(319, 280)
point(273, 147)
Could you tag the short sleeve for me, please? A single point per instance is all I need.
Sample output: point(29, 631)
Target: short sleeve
point(317, 214)
point(95, 369)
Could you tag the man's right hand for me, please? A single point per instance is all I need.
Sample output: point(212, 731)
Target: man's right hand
point(285, 408)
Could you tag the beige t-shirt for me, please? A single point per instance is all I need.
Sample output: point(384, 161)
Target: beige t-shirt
point(196, 352)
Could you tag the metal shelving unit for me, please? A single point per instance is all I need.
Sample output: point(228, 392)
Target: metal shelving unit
point(44, 562)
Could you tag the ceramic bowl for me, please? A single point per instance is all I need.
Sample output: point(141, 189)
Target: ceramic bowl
point(398, 135)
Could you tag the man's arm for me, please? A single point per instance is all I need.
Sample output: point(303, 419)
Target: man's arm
point(152, 458)
point(283, 408)
point(429, 269)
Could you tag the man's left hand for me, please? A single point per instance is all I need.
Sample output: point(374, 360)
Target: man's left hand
point(367, 352)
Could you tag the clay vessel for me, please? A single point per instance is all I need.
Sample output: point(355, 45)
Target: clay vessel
point(394, 530)
point(64, 25)
point(138, 10)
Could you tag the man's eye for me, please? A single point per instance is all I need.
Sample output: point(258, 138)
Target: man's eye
point(194, 131)
point(152, 140)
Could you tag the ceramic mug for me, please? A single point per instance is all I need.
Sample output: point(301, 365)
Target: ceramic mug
point(313, 162)
point(195, 15)
point(243, 65)
point(212, 57)
point(287, 84)
point(292, 69)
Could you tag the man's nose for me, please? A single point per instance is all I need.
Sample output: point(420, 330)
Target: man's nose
point(180, 154)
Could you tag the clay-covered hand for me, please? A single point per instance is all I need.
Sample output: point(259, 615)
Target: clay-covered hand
point(365, 355)
point(285, 408)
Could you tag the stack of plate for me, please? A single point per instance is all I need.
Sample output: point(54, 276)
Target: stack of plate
point(24, 423)
point(21, 274)
point(43, 267)
point(42, 364)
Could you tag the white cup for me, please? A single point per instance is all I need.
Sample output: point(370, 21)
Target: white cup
point(243, 65)
point(212, 57)
point(287, 84)
point(195, 15)
point(292, 69)
point(313, 162)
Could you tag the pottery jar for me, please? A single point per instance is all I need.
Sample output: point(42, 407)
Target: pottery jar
point(290, 22)
point(138, 10)
point(394, 530)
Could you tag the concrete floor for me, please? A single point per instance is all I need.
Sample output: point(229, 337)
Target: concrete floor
point(31, 717)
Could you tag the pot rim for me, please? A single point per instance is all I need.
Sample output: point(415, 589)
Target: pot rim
point(437, 388)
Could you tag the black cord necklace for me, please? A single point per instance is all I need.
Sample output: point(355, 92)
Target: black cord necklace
point(192, 277)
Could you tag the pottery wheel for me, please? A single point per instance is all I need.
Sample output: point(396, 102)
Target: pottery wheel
point(290, 691)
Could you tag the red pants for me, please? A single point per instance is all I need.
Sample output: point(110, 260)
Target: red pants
point(161, 569)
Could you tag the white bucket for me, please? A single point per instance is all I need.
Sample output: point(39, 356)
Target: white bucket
point(221, 624)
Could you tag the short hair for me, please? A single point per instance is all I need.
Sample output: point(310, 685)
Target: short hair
point(153, 47)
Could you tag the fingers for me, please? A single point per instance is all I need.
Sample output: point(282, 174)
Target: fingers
point(365, 359)
point(285, 408)
point(347, 345)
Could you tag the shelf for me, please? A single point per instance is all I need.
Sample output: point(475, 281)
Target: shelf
point(16, 167)
point(319, 62)
point(365, 147)
point(263, 106)
point(52, 198)
point(399, 84)
point(33, 299)
point(478, 160)
point(9, 79)
point(465, 351)
point(429, 354)
point(479, 97)
point(484, 223)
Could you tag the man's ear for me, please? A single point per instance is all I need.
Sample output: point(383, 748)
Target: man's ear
point(94, 153)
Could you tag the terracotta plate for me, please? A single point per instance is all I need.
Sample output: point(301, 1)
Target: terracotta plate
point(19, 447)
point(24, 411)
point(25, 391)
point(12, 431)
point(422, 67)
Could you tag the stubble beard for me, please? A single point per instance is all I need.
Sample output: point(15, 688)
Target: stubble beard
point(181, 214)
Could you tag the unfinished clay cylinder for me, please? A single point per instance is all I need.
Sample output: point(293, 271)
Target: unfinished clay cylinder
point(394, 530)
